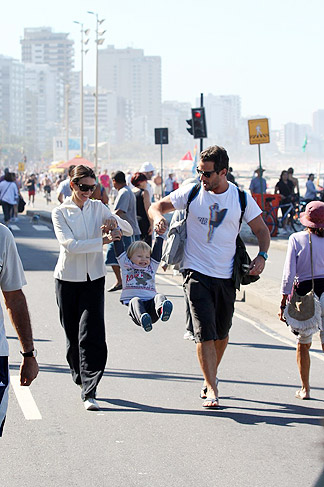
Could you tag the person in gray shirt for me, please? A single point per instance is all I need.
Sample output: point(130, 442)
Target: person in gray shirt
point(124, 207)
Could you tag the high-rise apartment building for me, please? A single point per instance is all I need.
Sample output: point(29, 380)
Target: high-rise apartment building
point(42, 46)
point(318, 123)
point(40, 108)
point(136, 79)
point(12, 96)
point(223, 113)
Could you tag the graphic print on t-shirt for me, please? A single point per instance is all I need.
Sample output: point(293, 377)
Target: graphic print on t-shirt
point(215, 219)
point(139, 278)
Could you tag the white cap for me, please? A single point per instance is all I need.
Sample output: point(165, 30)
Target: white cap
point(147, 167)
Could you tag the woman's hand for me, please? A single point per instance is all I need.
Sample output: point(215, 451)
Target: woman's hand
point(283, 305)
point(113, 235)
point(109, 225)
point(281, 314)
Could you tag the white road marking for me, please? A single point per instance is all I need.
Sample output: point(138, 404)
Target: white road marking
point(25, 399)
point(263, 329)
point(14, 227)
point(41, 228)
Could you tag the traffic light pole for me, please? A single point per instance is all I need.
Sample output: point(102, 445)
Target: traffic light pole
point(162, 189)
point(201, 105)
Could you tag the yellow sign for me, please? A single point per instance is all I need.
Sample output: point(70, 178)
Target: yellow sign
point(21, 166)
point(259, 131)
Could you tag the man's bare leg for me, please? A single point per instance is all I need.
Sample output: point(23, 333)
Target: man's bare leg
point(220, 347)
point(303, 362)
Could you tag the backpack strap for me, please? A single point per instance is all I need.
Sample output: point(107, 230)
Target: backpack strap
point(242, 199)
point(192, 195)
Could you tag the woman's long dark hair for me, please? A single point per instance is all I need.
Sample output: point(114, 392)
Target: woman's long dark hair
point(317, 231)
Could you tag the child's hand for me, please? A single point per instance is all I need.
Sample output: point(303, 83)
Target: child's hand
point(115, 234)
point(109, 225)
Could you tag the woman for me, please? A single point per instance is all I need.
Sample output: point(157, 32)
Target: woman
point(297, 272)
point(79, 279)
point(8, 196)
point(143, 202)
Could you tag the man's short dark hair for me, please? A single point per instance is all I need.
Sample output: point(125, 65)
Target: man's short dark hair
point(217, 155)
point(119, 177)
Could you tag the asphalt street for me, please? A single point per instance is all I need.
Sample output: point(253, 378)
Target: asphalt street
point(151, 429)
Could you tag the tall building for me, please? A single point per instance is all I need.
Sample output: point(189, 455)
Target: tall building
point(136, 79)
point(42, 46)
point(294, 137)
point(174, 116)
point(41, 109)
point(12, 96)
point(318, 123)
point(223, 113)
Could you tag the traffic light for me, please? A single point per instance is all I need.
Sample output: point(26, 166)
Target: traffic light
point(199, 128)
point(189, 122)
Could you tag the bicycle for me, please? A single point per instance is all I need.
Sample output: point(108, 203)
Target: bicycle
point(274, 222)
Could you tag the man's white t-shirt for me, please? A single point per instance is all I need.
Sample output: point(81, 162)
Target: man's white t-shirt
point(12, 276)
point(212, 227)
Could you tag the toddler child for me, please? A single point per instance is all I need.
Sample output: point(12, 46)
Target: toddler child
point(138, 268)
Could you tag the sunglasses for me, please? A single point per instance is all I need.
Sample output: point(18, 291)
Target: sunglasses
point(207, 174)
point(84, 188)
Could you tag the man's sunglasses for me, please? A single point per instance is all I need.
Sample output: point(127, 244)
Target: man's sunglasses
point(207, 174)
point(84, 188)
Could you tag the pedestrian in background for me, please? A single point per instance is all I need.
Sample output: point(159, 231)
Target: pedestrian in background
point(148, 169)
point(297, 274)
point(64, 188)
point(311, 192)
point(80, 280)
point(8, 196)
point(258, 182)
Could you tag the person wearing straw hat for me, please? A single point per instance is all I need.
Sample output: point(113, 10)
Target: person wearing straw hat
point(297, 274)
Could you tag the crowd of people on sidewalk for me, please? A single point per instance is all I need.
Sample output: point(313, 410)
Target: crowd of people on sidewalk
point(134, 230)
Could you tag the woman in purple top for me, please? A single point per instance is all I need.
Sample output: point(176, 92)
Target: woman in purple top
point(297, 273)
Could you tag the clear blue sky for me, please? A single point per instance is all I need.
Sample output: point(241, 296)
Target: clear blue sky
point(268, 52)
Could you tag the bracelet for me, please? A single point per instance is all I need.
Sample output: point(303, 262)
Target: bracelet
point(283, 306)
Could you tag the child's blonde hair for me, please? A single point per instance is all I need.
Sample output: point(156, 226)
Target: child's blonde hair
point(138, 245)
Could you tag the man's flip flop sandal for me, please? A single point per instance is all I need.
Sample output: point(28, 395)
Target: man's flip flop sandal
point(211, 403)
point(203, 390)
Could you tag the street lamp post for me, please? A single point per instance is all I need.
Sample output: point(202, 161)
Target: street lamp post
point(98, 42)
point(81, 88)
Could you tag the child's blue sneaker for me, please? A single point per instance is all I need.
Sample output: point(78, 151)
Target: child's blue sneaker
point(146, 322)
point(166, 310)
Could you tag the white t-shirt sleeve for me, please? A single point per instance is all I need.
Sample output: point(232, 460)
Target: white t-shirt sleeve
point(12, 275)
point(179, 197)
point(252, 209)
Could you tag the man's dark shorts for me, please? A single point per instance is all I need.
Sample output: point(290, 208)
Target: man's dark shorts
point(211, 302)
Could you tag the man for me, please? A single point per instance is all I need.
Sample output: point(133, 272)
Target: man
point(230, 176)
point(11, 281)
point(258, 181)
point(64, 189)
point(208, 256)
point(294, 180)
point(125, 207)
point(169, 184)
point(148, 169)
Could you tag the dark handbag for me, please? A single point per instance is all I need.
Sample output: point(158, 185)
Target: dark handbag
point(21, 204)
point(242, 260)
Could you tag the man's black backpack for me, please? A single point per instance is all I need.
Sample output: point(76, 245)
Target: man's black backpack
point(242, 261)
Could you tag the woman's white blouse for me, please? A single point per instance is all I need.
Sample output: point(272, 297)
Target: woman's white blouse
point(80, 238)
